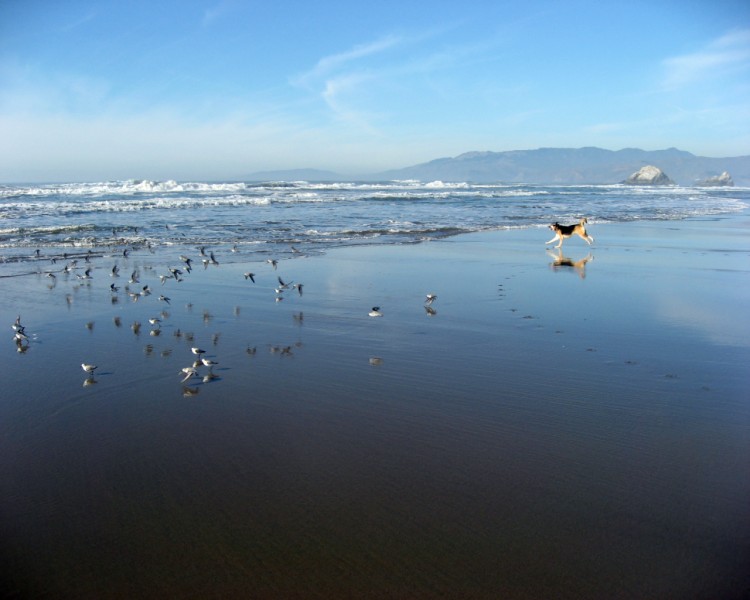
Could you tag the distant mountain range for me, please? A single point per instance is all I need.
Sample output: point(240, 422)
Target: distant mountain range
point(546, 165)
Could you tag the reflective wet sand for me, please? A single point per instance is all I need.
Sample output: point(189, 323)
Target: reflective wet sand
point(559, 429)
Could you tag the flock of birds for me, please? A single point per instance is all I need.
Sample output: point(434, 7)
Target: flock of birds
point(82, 269)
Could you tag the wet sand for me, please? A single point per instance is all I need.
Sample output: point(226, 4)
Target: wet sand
point(556, 429)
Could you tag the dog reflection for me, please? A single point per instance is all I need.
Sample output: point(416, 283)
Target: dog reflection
point(560, 261)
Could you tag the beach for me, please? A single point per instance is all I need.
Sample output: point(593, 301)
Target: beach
point(568, 424)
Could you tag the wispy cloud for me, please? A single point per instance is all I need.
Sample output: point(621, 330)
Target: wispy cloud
point(358, 85)
point(728, 54)
point(339, 80)
point(333, 63)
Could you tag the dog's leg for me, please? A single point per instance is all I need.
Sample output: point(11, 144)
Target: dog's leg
point(552, 240)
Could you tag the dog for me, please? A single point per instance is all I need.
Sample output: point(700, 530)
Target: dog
point(565, 231)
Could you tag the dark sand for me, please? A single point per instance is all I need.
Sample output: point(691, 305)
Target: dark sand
point(543, 435)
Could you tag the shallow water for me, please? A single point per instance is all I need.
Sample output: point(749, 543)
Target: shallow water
point(549, 432)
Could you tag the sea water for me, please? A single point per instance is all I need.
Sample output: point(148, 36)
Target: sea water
point(260, 218)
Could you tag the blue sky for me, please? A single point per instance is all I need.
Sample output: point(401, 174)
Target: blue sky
point(218, 89)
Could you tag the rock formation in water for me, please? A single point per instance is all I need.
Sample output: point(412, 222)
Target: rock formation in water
point(725, 179)
point(649, 175)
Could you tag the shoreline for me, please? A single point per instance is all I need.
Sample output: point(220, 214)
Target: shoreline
point(552, 430)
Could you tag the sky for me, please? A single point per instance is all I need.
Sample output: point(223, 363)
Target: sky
point(219, 89)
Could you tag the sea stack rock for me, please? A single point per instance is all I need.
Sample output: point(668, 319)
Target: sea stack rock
point(649, 175)
point(725, 179)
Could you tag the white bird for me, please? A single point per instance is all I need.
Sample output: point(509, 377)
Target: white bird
point(375, 312)
point(430, 298)
point(188, 372)
point(208, 362)
point(197, 351)
point(250, 276)
point(164, 299)
point(88, 368)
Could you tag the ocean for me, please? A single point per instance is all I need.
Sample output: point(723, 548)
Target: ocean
point(263, 218)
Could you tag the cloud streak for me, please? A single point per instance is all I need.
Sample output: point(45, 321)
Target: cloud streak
point(726, 55)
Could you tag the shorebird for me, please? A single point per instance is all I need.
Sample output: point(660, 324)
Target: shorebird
point(155, 321)
point(113, 288)
point(88, 368)
point(188, 372)
point(164, 299)
point(86, 274)
point(298, 287)
point(197, 351)
point(273, 262)
point(250, 276)
point(375, 312)
point(283, 285)
point(213, 258)
point(207, 362)
point(430, 298)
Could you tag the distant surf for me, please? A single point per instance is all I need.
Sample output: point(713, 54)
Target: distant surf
point(264, 217)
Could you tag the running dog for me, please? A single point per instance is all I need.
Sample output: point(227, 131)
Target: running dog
point(565, 231)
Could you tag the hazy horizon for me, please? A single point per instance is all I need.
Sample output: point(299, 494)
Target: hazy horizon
point(96, 91)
